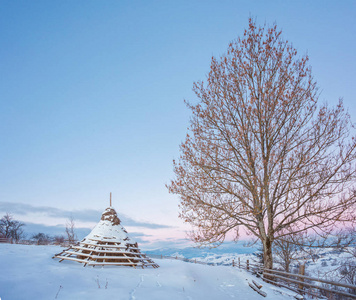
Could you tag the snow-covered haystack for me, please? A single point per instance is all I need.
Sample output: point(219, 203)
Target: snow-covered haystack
point(107, 244)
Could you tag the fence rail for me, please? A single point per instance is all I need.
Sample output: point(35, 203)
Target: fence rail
point(6, 240)
point(294, 282)
point(284, 276)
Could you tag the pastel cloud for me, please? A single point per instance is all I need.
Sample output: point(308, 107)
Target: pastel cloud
point(85, 215)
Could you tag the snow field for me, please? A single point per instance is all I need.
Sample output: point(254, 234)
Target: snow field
point(29, 272)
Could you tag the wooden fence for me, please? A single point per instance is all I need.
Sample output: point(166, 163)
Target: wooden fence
point(299, 283)
point(6, 240)
point(309, 285)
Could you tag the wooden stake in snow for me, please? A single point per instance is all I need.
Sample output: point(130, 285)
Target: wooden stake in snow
point(301, 272)
point(110, 200)
point(259, 286)
point(256, 289)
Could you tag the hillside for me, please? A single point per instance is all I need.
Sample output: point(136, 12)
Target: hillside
point(29, 272)
point(324, 263)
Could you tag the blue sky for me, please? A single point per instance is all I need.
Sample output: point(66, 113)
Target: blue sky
point(91, 95)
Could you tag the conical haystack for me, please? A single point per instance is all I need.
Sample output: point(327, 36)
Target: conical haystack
point(107, 244)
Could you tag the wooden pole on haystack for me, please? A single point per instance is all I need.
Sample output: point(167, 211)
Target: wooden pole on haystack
point(110, 199)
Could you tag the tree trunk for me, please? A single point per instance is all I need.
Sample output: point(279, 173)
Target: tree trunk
point(267, 254)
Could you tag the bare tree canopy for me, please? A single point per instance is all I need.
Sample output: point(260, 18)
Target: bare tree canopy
point(261, 153)
point(41, 238)
point(70, 231)
point(10, 228)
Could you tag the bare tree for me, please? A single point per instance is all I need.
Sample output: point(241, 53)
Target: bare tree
point(285, 252)
point(5, 226)
point(343, 239)
point(347, 270)
point(290, 249)
point(70, 231)
point(10, 228)
point(260, 152)
point(41, 238)
point(59, 239)
point(302, 246)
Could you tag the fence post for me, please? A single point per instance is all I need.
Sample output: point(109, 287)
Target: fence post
point(233, 263)
point(161, 256)
point(301, 272)
point(239, 263)
point(247, 264)
point(195, 260)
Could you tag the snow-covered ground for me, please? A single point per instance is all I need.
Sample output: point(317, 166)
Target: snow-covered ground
point(327, 263)
point(29, 272)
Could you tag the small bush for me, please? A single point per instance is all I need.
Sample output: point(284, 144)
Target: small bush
point(41, 239)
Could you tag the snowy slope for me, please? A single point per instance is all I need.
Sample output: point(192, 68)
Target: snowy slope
point(28, 272)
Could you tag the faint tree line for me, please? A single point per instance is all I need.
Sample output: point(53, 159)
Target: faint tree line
point(13, 230)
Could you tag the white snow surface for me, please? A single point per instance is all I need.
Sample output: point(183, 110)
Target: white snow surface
point(29, 272)
point(106, 231)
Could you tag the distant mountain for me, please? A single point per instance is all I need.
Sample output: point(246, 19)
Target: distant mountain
point(192, 252)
